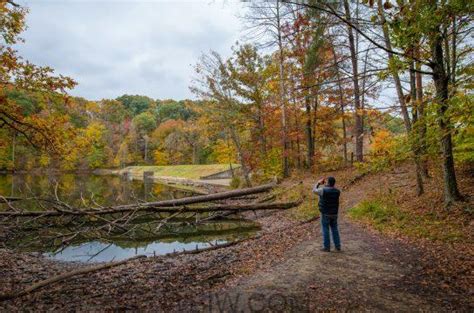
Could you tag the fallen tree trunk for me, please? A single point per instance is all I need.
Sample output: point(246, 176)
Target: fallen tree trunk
point(180, 209)
point(232, 208)
point(4, 199)
point(203, 198)
point(167, 205)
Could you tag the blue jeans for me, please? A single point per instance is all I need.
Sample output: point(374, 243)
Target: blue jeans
point(330, 221)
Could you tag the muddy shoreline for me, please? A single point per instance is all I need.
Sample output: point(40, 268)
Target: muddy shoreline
point(164, 281)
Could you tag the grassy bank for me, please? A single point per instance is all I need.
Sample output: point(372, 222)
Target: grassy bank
point(384, 215)
point(183, 171)
point(393, 206)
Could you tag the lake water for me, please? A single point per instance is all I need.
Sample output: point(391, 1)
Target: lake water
point(103, 246)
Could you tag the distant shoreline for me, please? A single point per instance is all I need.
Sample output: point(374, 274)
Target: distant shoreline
point(41, 171)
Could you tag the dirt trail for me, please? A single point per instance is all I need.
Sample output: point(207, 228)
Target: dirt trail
point(372, 273)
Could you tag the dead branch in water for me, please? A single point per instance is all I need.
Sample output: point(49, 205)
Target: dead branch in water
point(174, 209)
point(167, 205)
point(61, 223)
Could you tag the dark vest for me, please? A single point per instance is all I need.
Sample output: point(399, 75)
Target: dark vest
point(329, 201)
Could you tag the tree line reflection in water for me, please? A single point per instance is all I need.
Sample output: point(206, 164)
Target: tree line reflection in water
point(86, 190)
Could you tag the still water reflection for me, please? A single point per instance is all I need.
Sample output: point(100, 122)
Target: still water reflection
point(94, 190)
point(96, 251)
point(85, 189)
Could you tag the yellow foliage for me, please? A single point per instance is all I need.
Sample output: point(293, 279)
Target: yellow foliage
point(160, 157)
point(386, 150)
point(44, 160)
point(223, 153)
point(94, 132)
point(69, 161)
point(382, 143)
point(92, 106)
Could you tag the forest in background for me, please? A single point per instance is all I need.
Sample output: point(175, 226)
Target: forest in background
point(302, 91)
point(138, 130)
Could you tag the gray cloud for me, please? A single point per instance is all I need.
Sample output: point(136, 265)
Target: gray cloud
point(116, 47)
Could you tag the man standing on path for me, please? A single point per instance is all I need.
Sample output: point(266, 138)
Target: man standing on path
point(329, 207)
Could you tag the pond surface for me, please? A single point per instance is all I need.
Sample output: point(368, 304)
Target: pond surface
point(96, 251)
point(75, 189)
point(144, 235)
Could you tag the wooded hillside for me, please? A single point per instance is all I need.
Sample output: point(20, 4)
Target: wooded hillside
point(313, 98)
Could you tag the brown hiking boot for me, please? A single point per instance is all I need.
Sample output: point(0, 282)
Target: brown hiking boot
point(324, 250)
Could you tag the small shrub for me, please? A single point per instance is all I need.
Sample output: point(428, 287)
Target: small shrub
point(382, 213)
point(378, 211)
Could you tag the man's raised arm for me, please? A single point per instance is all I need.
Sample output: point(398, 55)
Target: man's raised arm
point(317, 189)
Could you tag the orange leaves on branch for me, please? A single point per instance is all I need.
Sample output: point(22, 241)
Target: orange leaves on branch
point(16, 74)
point(381, 142)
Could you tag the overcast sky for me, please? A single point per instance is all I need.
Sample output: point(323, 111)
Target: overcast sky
point(115, 47)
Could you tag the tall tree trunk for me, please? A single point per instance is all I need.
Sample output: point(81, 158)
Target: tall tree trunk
point(243, 164)
point(420, 106)
point(453, 54)
point(13, 150)
point(396, 77)
point(309, 133)
point(298, 148)
point(364, 81)
point(401, 99)
point(441, 82)
point(261, 132)
point(358, 130)
point(415, 134)
point(286, 165)
point(341, 104)
point(447, 56)
point(298, 151)
point(344, 136)
point(315, 120)
point(230, 159)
